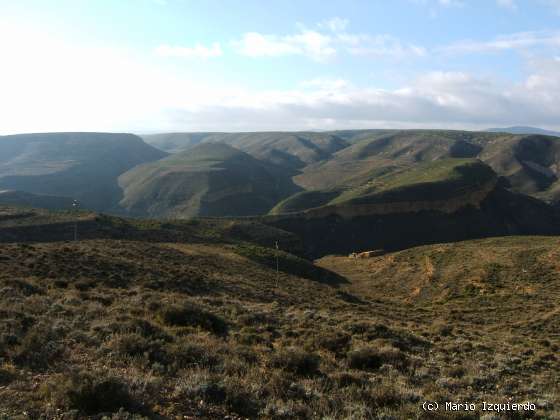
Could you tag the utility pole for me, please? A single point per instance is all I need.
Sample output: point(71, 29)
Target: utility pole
point(76, 207)
point(277, 263)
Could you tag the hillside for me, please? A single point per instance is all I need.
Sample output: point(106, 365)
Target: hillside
point(524, 130)
point(290, 150)
point(208, 180)
point(375, 155)
point(24, 199)
point(84, 166)
point(435, 181)
point(529, 163)
point(160, 320)
point(442, 201)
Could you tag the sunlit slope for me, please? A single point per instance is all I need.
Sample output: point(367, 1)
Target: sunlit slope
point(208, 180)
point(434, 181)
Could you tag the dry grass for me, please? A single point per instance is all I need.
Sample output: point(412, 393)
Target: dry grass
point(165, 330)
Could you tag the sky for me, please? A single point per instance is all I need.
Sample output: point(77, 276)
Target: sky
point(148, 66)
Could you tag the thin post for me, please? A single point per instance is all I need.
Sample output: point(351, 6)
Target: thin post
point(277, 264)
point(75, 206)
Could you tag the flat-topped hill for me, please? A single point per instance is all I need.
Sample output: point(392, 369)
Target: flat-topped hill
point(84, 166)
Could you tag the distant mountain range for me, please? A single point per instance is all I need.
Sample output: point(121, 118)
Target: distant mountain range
point(524, 130)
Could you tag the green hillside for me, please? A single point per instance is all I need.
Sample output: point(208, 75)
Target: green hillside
point(209, 180)
point(304, 200)
point(84, 166)
point(437, 180)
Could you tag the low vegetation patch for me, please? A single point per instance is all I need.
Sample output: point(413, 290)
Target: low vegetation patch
point(90, 394)
point(192, 315)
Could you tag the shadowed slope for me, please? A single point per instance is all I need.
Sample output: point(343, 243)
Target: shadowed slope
point(78, 165)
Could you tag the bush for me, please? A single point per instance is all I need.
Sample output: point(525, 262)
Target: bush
point(190, 315)
point(365, 358)
point(336, 342)
point(6, 376)
point(128, 344)
point(134, 345)
point(369, 358)
point(185, 354)
point(24, 287)
point(346, 379)
point(39, 348)
point(201, 385)
point(87, 393)
point(296, 361)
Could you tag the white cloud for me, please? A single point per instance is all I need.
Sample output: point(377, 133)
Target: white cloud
point(198, 51)
point(507, 4)
point(321, 46)
point(335, 24)
point(380, 45)
point(309, 43)
point(517, 41)
point(436, 99)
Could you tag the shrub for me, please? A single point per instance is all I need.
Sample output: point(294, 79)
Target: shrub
point(365, 358)
point(187, 354)
point(296, 361)
point(135, 345)
point(369, 358)
point(39, 348)
point(86, 393)
point(190, 315)
point(201, 385)
point(346, 379)
point(24, 287)
point(6, 376)
point(336, 342)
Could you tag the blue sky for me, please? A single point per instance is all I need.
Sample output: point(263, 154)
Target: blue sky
point(186, 65)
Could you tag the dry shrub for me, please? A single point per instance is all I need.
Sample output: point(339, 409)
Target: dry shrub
point(87, 393)
point(191, 315)
point(296, 361)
